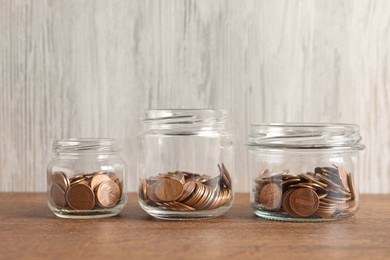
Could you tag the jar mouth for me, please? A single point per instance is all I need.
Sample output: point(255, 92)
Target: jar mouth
point(85, 145)
point(306, 136)
point(185, 120)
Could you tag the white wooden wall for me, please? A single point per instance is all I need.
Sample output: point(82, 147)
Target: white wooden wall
point(88, 68)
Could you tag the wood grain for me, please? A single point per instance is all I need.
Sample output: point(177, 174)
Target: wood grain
point(29, 230)
point(88, 68)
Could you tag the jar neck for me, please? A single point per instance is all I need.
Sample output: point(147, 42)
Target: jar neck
point(86, 147)
point(340, 137)
point(185, 121)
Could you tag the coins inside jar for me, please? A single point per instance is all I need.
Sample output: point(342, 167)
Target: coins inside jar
point(86, 191)
point(326, 192)
point(186, 191)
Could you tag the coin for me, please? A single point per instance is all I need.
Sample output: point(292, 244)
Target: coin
point(196, 195)
point(80, 197)
point(179, 176)
point(144, 190)
point(151, 192)
point(213, 182)
point(351, 185)
point(79, 194)
point(313, 179)
point(270, 196)
point(288, 182)
point(168, 190)
point(327, 180)
point(286, 203)
point(343, 175)
point(188, 189)
point(83, 180)
point(58, 195)
point(225, 177)
point(304, 202)
point(108, 193)
point(60, 179)
point(98, 178)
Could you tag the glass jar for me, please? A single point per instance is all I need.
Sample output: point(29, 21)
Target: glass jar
point(304, 172)
point(184, 164)
point(85, 178)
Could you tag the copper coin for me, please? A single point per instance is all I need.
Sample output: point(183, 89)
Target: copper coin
point(212, 199)
point(225, 176)
point(203, 198)
point(178, 206)
point(209, 197)
point(179, 176)
point(227, 197)
point(60, 179)
point(97, 179)
point(80, 181)
point(287, 176)
point(216, 200)
point(302, 185)
point(108, 193)
point(270, 196)
point(58, 195)
point(326, 212)
point(77, 177)
point(168, 190)
point(188, 189)
point(343, 175)
point(304, 202)
point(288, 182)
point(286, 203)
point(144, 190)
point(213, 182)
point(322, 194)
point(328, 180)
point(313, 179)
point(80, 197)
point(141, 194)
point(151, 191)
point(196, 195)
point(351, 185)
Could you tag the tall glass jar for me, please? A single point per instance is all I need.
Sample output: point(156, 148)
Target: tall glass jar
point(85, 178)
point(184, 164)
point(304, 172)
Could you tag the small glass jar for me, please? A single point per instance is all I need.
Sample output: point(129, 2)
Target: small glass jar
point(304, 172)
point(85, 178)
point(184, 164)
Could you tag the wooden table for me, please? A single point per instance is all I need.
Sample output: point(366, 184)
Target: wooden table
point(28, 229)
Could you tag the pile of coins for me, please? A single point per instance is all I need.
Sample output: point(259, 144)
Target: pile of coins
point(325, 193)
point(185, 191)
point(85, 191)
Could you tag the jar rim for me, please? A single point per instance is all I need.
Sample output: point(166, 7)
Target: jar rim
point(86, 144)
point(306, 136)
point(185, 120)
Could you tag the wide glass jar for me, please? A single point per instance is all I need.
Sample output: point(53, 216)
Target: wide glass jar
point(184, 164)
point(85, 178)
point(304, 172)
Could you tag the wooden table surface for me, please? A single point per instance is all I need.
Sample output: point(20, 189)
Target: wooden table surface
point(28, 229)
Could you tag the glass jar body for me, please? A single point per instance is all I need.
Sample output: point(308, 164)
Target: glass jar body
point(86, 183)
point(184, 173)
point(304, 185)
point(304, 172)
